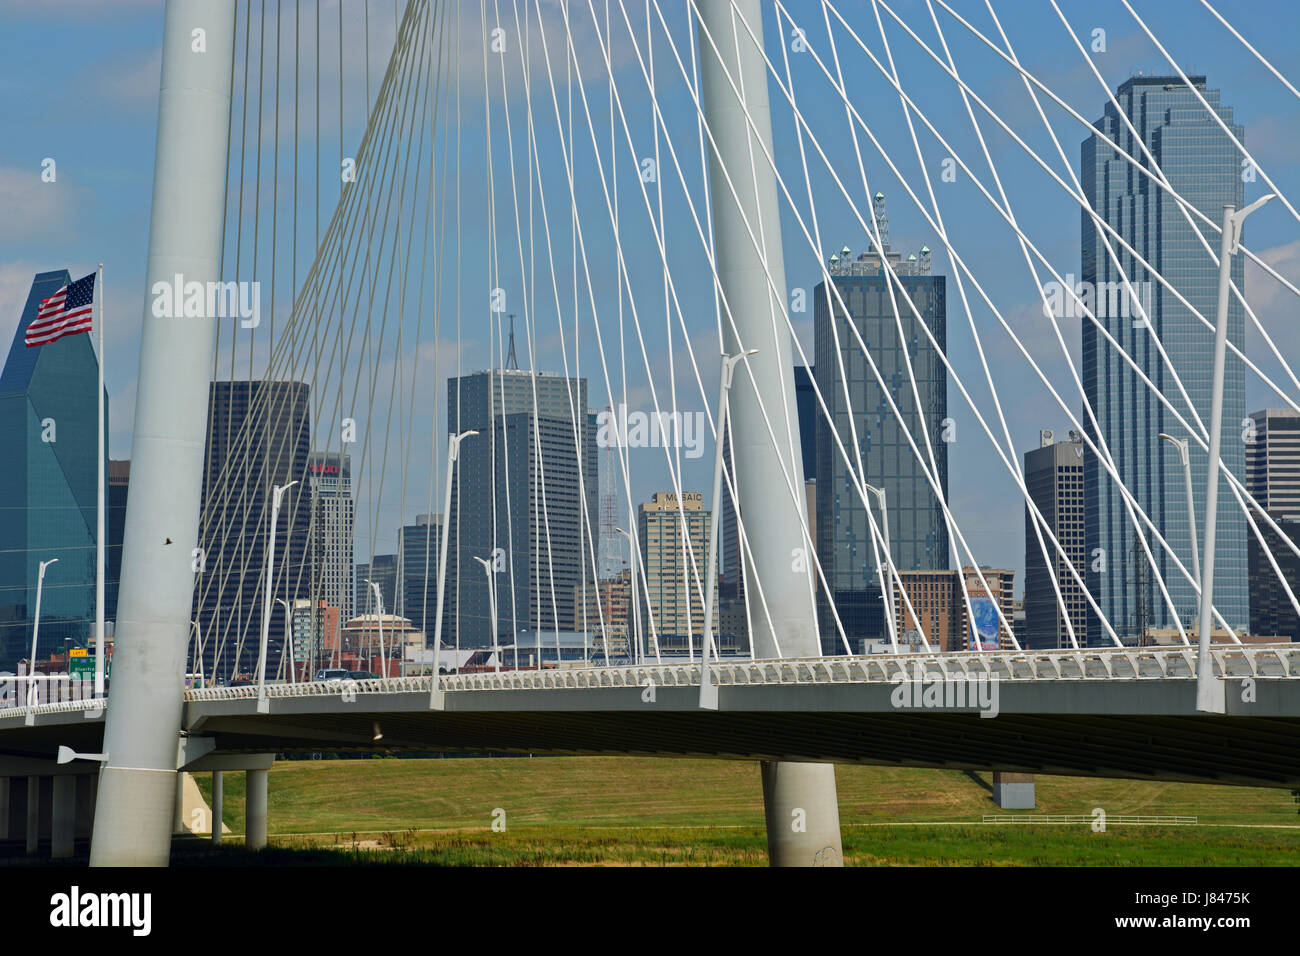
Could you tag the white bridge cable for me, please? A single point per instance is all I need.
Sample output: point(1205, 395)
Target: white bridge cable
point(1106, 228)
point(1038, 254)
point(387, 147)
point(672, 289)
point(876, 238)
point(815, 563)
point(610, 209)
point(1213, 113)
point(1140, 169)
point(1205, 244)
point(538, 617)
point(1259, 56)
point(940, 351)
point(931, 479)
point(348, 195)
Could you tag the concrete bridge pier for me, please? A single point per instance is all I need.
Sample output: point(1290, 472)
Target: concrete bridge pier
point(63, 817)
point(255, 789)
point(33, 814)
point(218, 803)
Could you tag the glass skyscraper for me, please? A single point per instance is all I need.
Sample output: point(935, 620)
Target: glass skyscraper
point(1201, 163)
point(918, 534)
point(48, 416)
point(417, 550)
point(259, 436)
point(516, 501)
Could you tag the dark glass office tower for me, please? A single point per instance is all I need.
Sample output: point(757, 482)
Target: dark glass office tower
point(918, 534)
point(1054, 478)
point(1203, 166)
point(259, 436)
point(516, 497)
point(119, 482)
point(48, 415)
point(382, 569)
point(418, 552)
point(1273, 478)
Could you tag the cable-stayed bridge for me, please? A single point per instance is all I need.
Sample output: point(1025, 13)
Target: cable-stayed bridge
point(606, 173)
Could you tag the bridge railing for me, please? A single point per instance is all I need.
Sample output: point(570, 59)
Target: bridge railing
point(1270, 661)
point(1147, 663)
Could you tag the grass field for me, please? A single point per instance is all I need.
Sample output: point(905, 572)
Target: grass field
point(633, 811)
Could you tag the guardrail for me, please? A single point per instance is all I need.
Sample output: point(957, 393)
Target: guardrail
point(1162, 663)
point(1277, 661)
point(1108, 819)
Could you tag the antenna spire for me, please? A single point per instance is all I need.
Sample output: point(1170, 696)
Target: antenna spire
point(512, 360)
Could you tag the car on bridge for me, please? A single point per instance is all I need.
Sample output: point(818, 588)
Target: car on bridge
point(331, 674)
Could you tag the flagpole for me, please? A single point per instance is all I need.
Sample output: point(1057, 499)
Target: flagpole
point(99, 512)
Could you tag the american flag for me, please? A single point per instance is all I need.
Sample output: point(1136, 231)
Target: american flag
point(67, 312)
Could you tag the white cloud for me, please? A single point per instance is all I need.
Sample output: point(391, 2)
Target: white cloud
point(32, 209)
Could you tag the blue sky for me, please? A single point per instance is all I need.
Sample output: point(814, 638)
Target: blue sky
point(97, 119)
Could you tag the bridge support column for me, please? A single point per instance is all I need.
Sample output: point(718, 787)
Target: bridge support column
point(1013, 791)
point(770, 484)
point(86, 785)
point(802, 813)
point(178, 814)
point(33, 814)
point(4, 808)
point(63, 818)
point(135, 806)
point(255, 809)
point(218, 800)
point(17, 787)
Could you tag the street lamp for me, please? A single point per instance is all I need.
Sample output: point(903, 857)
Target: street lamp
point(453, 450)
point(634, 618)
point(379, 603)
point(277, 496)
point(1185, 458)
point(708, 691)
point(1209, 692)
point(288, 630)
point(887, 576)
point(36, 630)
point(492, 612)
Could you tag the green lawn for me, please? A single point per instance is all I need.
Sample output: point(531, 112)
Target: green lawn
point(628, 810)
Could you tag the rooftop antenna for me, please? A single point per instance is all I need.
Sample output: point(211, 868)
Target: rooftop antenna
point(512, 360)
point(882, 221)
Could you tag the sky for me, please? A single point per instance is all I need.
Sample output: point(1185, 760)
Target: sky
point(93, 111)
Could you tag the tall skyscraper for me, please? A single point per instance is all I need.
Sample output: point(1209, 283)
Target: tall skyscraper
point(516, 501)
point(1273, 478)
point(918, 534)
point(1054, 477)
point(417, 550)
point(672, 590)
point(330, 539)
point(48, 422)
point(259, 437)
point(1201, 163)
